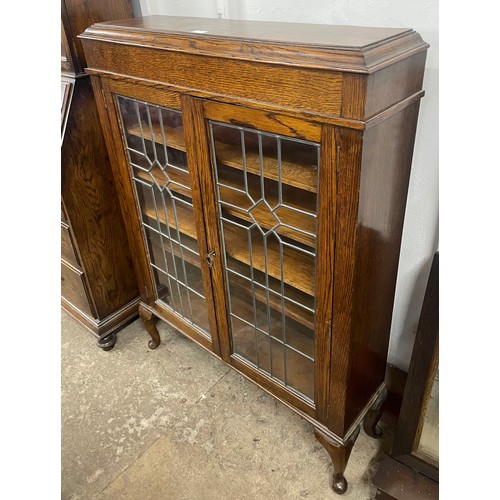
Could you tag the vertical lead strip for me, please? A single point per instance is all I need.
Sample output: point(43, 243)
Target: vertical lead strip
point(168, 237)
point(164, 138)
point(268, 307)
point(158, 224)
point(182, 257)
point(168, 224)
point(152, 132)
point(250, 250)
point(160, 236)
point(280, 185)
point(249, 236)
point(264, 242)
point(283, 312)
point(169, 272)
point(177, 227)
point(261, 165)
point(282, 274)
point(244, 158)
point(139, 122)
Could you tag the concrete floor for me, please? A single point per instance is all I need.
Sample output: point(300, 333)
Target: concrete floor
point(177, 424)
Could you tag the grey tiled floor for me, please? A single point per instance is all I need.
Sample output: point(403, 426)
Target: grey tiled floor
point(176, 423)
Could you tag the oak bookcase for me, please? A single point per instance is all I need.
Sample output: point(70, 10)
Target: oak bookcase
point(262, 170)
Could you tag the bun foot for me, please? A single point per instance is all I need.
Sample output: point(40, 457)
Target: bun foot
point(375, 432)
point(339, 484)
point(107, 342)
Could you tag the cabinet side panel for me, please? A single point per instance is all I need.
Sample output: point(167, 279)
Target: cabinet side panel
point(349, 154)
point(325, 269)
point(91, 201)
point(394, 84)
point(387, 156)
point(279, 86)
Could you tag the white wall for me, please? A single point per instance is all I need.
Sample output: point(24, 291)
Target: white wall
point(420, 234)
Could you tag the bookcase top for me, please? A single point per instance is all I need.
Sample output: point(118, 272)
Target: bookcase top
point(355, 48)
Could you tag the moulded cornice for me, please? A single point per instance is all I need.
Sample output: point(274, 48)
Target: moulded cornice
point(339, 48)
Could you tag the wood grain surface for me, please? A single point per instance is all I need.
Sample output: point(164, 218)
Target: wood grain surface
point(91, 202)
point(355, 92)
point(339, 48)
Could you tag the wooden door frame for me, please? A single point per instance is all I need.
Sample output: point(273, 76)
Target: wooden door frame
point(204, 110)
point(121, 169)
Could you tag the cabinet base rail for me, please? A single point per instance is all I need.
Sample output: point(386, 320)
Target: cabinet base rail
point(106, 329)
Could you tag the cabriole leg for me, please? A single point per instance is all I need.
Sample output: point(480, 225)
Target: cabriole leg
point(373, 416)
point(339, 455)
point(149, 322)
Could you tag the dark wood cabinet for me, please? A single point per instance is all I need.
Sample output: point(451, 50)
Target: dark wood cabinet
point(98, 285)
point(411, 472)
point(262, 169)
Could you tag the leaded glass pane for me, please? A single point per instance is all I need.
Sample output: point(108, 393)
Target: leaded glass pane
point(154, 139)
point(267, 193)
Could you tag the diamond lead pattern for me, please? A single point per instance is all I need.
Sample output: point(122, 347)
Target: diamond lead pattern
point(154, 139)
point(263, 216)
point(269, 245)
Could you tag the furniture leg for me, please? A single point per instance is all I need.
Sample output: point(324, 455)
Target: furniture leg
point(373, 416)
point(339, 455)
point(107, 342)
point(148, 320)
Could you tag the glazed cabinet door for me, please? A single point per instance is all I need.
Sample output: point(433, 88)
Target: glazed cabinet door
point(266, 172)
point(166, 196)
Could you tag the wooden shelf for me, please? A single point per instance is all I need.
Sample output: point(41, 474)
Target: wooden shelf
point(196, 314)
point(180, 178)
point(296, 167)
point(294, 312)
point(264, 217)
point(185, 219)
point(174, 136)
point(300, 275)
point(294, 172)
point(299, 371)
point(297, 271)
point(191, 257)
